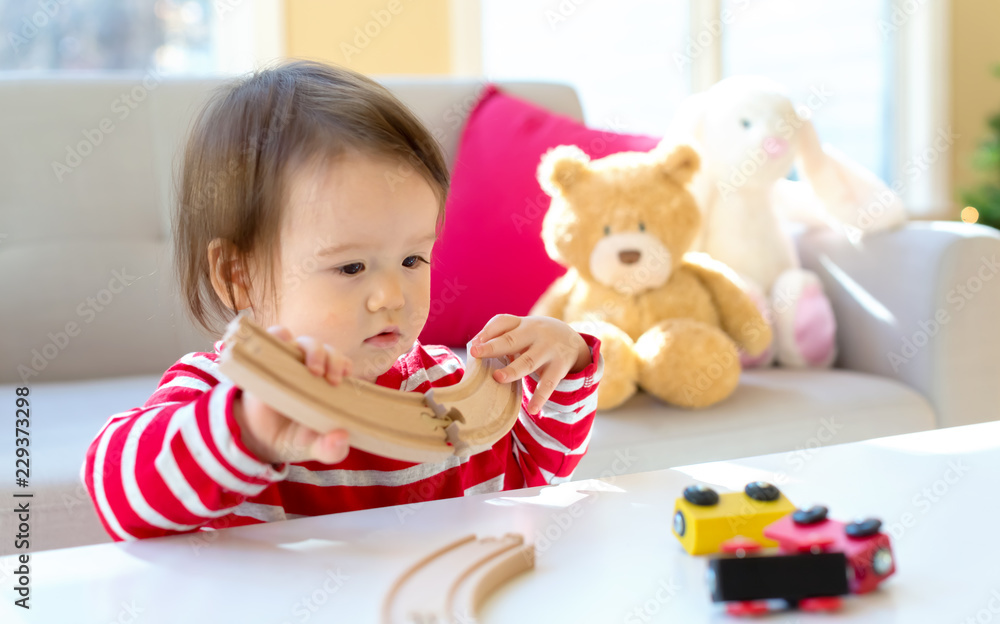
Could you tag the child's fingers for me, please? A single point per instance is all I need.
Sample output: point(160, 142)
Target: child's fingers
point(499, 324)
point(280, 332)
point(315, 353)
point(302, 443)
point(525, 364)
point(546, 386)
point(337, 366)
point(331, 447)
point(508, 343)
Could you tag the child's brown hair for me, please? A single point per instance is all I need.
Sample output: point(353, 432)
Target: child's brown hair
point(242, 147)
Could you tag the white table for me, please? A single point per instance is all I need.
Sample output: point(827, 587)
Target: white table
point(604, 548)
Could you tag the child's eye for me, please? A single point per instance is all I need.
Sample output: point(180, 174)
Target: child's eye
point(412, 261)
point(352, 269)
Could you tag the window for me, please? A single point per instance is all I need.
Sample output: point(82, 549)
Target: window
point(620, 56)
point(831, 53)
point(634, 60)
point(170, 35)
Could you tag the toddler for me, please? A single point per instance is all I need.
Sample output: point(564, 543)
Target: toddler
point(310, 199)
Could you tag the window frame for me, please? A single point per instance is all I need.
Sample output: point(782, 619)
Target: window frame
point(920, 76)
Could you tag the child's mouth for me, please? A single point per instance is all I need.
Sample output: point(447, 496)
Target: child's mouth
point(385, 339)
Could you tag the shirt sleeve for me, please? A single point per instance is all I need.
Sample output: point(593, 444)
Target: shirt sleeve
point(177, 462)
point(548, 446)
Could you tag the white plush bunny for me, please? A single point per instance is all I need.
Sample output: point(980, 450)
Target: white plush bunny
point(749, 136)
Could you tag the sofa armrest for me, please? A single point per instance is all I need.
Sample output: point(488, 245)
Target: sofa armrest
point(920, 304)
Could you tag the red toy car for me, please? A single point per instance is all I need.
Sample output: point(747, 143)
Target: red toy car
point(868, 550)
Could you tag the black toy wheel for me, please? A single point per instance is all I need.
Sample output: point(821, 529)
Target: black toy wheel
point(762, 491)
point(701, 495)
point(863, 528)
point(813, 515)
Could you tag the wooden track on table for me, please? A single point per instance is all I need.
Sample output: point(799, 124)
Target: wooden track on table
point(449, 585)
point(459, 420)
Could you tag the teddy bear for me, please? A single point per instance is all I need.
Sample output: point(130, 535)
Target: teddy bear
point(670, 322)
point(749, 135)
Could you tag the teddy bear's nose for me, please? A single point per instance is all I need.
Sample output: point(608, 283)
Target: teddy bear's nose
point(629, 256)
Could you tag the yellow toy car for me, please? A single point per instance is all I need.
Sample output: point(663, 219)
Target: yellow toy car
point(703, 518)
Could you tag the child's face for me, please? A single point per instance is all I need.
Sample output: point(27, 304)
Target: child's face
point(356, 241)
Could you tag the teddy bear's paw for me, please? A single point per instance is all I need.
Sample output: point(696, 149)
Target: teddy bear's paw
point(806, 327)
point(687, 363)
point(612, 395)
point(621, 367)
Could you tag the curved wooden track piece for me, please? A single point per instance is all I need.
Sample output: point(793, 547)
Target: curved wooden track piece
point(458, 420)
point(449, 585)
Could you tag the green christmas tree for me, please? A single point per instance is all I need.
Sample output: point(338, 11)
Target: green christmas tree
point(986, 197)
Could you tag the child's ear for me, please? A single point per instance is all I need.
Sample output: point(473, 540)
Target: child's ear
point(223, 262)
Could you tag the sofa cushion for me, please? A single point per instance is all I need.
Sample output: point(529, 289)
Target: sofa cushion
point(772, 410)
point(490, 258)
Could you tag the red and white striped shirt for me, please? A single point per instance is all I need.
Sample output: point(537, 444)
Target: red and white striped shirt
point(177, 464)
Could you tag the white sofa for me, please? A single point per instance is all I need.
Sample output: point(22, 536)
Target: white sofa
point(71, 239)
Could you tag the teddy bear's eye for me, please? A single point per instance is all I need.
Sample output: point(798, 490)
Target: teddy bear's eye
point(607, 230)
point(642, 226)
point(745, 123)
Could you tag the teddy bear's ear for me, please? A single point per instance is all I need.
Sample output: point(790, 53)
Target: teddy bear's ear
point(562, 167)
point(680, 163)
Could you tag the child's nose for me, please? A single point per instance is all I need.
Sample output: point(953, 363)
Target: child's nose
point(388, 294)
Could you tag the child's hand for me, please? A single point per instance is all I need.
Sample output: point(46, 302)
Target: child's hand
point(275, 438)
point(541, 343)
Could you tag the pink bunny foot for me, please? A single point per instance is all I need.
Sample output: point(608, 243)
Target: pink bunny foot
point(806, 332)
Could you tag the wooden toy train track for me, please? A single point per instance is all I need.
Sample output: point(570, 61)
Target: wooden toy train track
point(457, 420)
point(449, 585)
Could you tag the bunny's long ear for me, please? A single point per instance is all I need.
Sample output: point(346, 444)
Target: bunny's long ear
point(687, 124)
point(845, 188)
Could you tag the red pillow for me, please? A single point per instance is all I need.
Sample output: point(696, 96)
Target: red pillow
point(490, 258)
